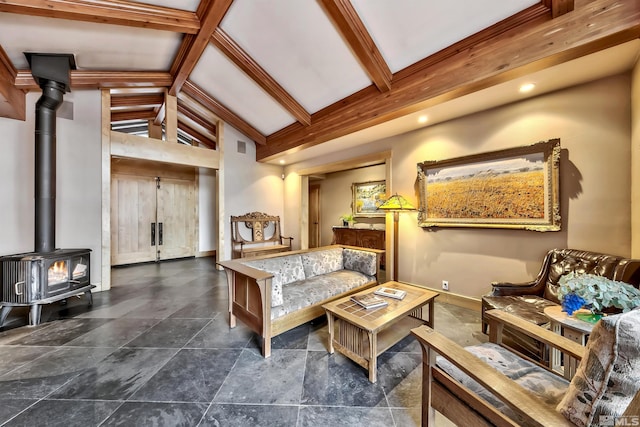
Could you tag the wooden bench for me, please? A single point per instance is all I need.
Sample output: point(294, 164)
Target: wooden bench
point(257, 233)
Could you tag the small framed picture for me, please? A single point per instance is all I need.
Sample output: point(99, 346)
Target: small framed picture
point(367, 197)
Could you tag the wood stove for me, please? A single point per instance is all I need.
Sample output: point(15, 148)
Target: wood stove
point(47, 274)
point(33, 279)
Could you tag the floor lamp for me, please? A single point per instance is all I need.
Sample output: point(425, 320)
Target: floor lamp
point(396, 204)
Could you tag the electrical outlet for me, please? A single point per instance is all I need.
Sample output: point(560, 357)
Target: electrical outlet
point(445, 285)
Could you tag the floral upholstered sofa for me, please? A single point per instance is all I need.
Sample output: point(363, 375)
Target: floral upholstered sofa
point(272, 294)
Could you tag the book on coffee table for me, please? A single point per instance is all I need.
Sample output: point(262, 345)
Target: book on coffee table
point(390, 292)
point(369, 300)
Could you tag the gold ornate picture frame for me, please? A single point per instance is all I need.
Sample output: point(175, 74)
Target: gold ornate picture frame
point(367, 196)
point(513, 188)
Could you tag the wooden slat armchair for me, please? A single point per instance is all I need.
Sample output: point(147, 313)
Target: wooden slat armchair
point(460, 385)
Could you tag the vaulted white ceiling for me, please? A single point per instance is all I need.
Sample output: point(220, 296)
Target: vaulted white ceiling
point(302, 66)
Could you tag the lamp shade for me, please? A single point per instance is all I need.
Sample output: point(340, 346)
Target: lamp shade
point(396, 203)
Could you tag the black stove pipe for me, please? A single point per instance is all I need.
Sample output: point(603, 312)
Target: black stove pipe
point(45, 165)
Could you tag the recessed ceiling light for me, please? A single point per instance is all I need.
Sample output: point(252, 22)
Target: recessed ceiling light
point(282, 162)
point(527, 87)
point(423, 119)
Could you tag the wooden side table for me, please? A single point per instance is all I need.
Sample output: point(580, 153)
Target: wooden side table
point(569, 327)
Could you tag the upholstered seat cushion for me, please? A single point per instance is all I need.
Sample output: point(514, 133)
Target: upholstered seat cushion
point(311, 291)
point(548, 386)
point(529, 307)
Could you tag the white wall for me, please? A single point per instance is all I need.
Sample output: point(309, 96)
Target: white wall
point(207, 226)
point(78, 189)
point(296, 221)
point(248, 186)
point(593, 124)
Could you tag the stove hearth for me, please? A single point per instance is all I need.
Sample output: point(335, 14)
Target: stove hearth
point(32, 279)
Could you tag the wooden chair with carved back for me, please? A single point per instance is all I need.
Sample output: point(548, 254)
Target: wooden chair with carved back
point(257, 233)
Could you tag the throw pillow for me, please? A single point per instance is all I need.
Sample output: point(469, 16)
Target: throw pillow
point(322, 262)
point(362, 261)
point(285, 270)
point(609, 374)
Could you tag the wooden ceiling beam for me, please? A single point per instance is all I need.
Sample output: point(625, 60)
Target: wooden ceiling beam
point(12, 100)
point(136, 100)
point(598, 25)
point(120, 116)
point(131, 91)
point(560, 7)
point(200, 137)
point(116, 12)
point(7, 71)
point(86, 79)
point(357, 37)
point(239, 57)
point(195, 117)
point(221, 111)
point(195, 46)
point(179, 59)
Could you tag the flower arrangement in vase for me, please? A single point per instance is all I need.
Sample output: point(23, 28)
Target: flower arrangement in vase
point(595, 293)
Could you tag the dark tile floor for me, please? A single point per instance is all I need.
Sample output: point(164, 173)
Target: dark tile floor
point(156, 350)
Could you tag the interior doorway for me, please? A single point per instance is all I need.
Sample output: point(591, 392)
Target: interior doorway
point(314, 216)
point(153, 217)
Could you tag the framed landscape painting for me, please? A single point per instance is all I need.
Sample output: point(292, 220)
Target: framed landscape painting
point(512, 188)
point(367, 196)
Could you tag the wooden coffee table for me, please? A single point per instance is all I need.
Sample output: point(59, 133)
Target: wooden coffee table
point(364, 334)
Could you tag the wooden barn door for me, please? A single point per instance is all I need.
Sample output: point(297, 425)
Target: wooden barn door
point(175, 219)
point(133, 211)
point(152, 217)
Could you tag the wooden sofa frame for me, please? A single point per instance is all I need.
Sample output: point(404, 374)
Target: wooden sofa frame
point(256, 223)
point(250, 298)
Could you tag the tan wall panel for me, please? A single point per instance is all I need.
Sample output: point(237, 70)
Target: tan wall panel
point(635, 162)
point(592, 122)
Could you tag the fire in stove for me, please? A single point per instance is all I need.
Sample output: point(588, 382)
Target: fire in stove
point(34, 279)
point(58, 273)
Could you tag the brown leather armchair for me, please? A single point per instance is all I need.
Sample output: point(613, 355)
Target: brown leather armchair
point(528, 300)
